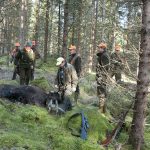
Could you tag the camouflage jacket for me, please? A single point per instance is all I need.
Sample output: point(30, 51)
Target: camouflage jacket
point(116, 61)
point(66, 77)
point(37, 54)
point(25, 59)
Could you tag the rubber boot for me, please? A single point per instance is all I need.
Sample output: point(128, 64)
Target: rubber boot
point(76, 96)
point(102, 106)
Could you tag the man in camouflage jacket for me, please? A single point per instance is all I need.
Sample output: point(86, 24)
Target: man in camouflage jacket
point(102, 68)
point(117, 65)
point(25, 60)
point(13, 55)
point(66, 79)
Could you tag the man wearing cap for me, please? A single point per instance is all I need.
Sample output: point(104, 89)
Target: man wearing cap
point(66, 79)
point(75, 60)
point(25, 59)
point(102, 68)
point(13, 55)
point(117, 65)
point(37, 56)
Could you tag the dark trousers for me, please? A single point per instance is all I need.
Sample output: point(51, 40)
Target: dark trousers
point(25, 75)
point(32, 74)
point(16, 71)
point(77, 93)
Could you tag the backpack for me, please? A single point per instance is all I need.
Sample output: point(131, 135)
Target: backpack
point(31, 55)
point(82, 133)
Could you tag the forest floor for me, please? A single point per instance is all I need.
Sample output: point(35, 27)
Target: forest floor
point(118, 95)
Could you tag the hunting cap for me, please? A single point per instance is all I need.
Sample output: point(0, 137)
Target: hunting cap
point(72, 47)
point(17, 44)
point(117, 47)
point(102, 45)
point(28, 44)
point(59, 61)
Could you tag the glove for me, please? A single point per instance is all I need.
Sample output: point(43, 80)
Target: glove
point(73, 89)
point(31, 67)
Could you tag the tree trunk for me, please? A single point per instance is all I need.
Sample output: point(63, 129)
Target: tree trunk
point(136, 137)
point(65, 31)
point(103, 19)
point(36, 28)
point(94, 35)
point(59, 28)
point(79, 26)
point(22, 22)
point(46, 30)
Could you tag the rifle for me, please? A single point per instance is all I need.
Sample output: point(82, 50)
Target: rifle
point(115, 133)
point(84, 126)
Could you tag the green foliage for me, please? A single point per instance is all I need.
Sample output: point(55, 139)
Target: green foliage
point(3, 60)
point(10, 139)
point(87, 85)
point(120, 98)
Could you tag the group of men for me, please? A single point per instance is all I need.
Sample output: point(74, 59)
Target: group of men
point(69, 72)
point(107, 66)
point(24, 61)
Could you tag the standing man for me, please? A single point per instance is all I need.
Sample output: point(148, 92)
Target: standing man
point(37, 56)
point(25, 59)
point(66, 79)
point(117, 65)
point(75, 60)
point(102, 68)
point(13, 55)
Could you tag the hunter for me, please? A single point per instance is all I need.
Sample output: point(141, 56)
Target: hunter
point(117, 64)
point(37, 56)
point(13, 55)
point(66, 79)
point(102, 68)
point(25, 60)
point(75, 60)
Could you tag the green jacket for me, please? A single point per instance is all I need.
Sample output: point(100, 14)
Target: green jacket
point(116, 61)
point(25, 59)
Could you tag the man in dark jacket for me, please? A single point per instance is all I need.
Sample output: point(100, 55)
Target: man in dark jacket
point(37, 56)
point(102, 68)
point(13, 55)
point(75, 60)
point(25, 60)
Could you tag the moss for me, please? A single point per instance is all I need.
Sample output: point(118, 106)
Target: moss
point(32, 127)
point(13, 82)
